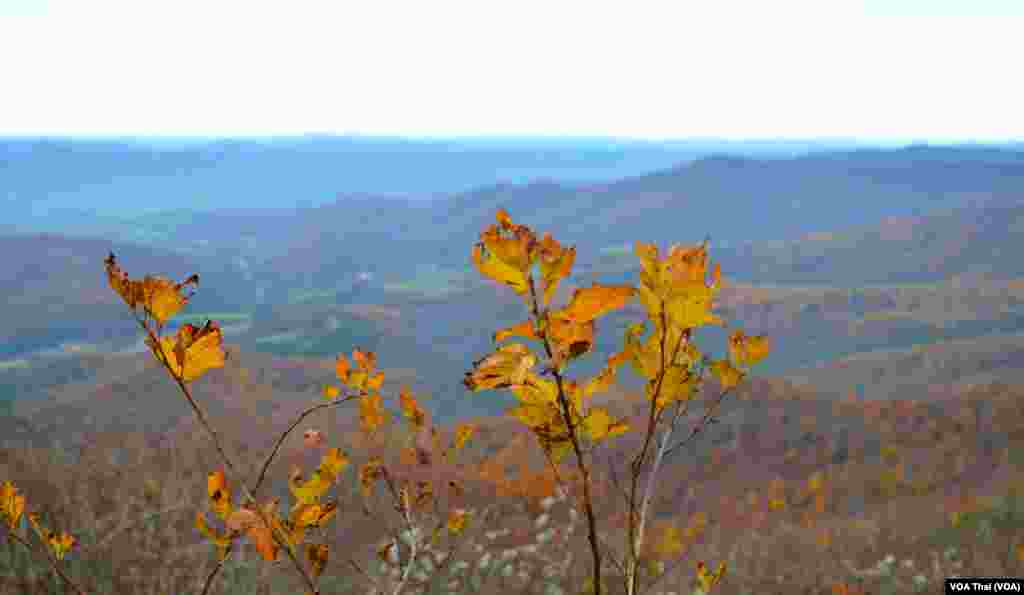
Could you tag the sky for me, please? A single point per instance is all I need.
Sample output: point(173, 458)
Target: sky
point(866, 69)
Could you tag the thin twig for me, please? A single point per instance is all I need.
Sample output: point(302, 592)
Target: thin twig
point(49, 558)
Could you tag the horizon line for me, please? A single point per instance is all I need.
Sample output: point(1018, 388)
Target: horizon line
point(910, 140)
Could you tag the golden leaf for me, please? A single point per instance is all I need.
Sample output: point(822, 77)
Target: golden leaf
point(375, 382)
point(411, 408)
point(589, 303)
point(523, 329)
point(463, 433)
point(60, 543)
point(494, 268)
point(201, 349)
point(331, 392)
point(222, 541)
point(371, 413)
point(726, 374)
point(705, 579)
point(569, 338)
point(598, 425)
point(509, 365)
point(342, 367)
point(12, 504)
point(313, 514)
point(555, 264)
point(457, 520)
point(219, 493)
point(366, 361)
point(746, 350)
point(161, 298)
point(669, 544)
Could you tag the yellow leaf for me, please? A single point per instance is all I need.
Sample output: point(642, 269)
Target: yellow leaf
point(411, 408)
point(12, 504)
point(589, 303)
point(60, 544)
point(371, 413)
point(726, 374)
point(161, 298)
point(535, 390)
point(651, 301)
point(492, 267)
point(677, 384)
point(691, 309)
point(509, 365)
point(333, 462)
point(331, 392)
point(457, 520)
point(463, 433)
point(570, 338)
point(201, 349)
point(534, 416)
point(523, 329)
point(341, 368)
point(815, 481)
point(705, 579)
point(366, 361)
point(555, 264)
point(219, 493)
point(669, 543)
point(313, 514)
point(375, 382)
point(598, 425)
point(222, 541)
point(746, 350)
point(317, 555)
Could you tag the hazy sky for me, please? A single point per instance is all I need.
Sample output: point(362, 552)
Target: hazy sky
point(926, 69)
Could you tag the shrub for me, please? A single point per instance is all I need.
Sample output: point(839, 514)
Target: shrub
point(422, 482)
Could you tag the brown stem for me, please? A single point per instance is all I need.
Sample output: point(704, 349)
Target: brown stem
point(282, 541)
point(565, 406)
point(280, 441)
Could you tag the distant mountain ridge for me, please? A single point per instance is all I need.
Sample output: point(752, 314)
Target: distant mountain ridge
point(127, 177)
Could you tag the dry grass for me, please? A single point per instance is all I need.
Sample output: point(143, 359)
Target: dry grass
point(132, 503)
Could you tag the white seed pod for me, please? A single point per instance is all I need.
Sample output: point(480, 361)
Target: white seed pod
point(509, 554)
point(484, 561)
point(541, 520)
point(547, 503)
